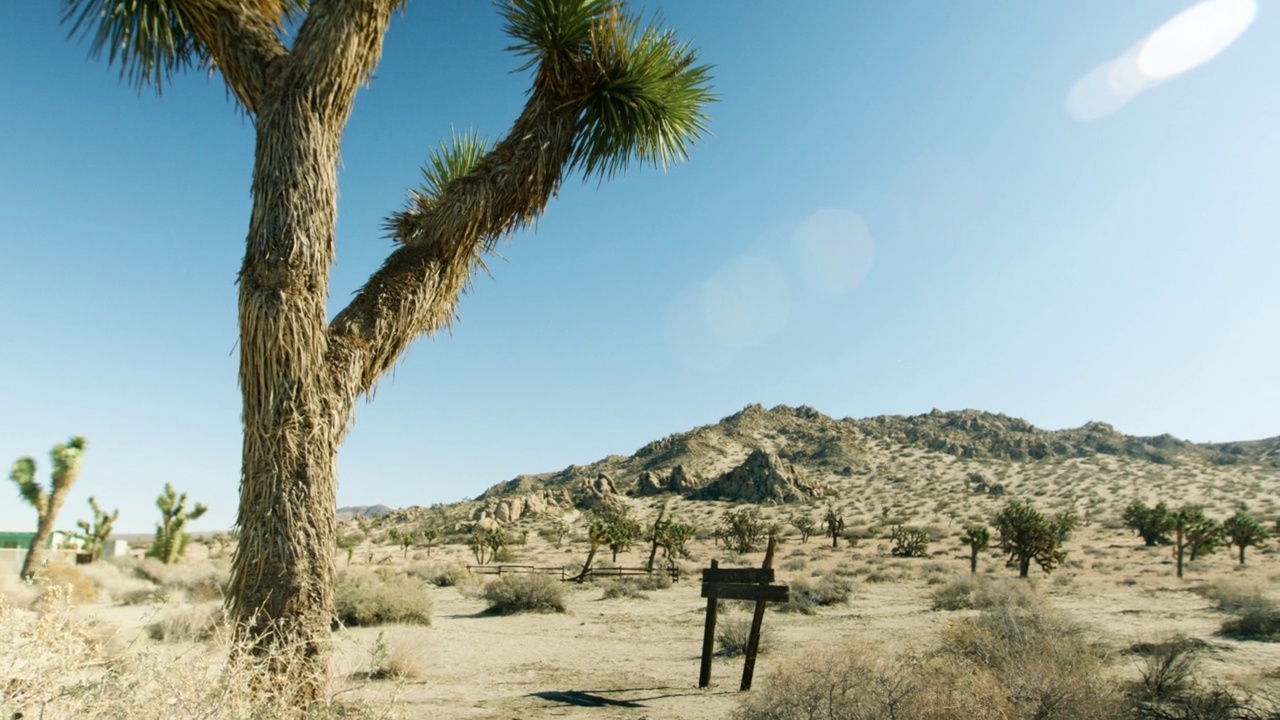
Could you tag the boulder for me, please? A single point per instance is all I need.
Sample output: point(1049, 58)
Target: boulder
point(762, 477)
point(592, 494)
point(650, 483)
point(683, 481)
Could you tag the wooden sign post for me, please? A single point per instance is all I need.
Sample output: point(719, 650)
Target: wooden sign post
point(738, 584)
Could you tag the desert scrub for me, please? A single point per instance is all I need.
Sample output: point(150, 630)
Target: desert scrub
point(188, 624)
point(56, 664)
point(528, 592)
point(807, 597)
point(196, 581)
point(364, 597)
point(732, 633)
point(971, 592)
point(57, 574)
point(397, 657)
point(624, 588)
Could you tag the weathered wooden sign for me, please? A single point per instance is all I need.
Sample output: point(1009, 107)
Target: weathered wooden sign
point(738, 584)
point(734, 591)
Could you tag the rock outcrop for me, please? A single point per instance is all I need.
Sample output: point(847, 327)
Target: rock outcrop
point(592, 494)
point(762, 477)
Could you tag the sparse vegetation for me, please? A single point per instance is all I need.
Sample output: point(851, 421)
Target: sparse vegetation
point(805, 524)
point(807, 597)
point(524, 592)
point(365, 597)
point(95, 532)
point(1153, 524)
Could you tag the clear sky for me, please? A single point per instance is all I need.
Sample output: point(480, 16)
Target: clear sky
point(1061, 211)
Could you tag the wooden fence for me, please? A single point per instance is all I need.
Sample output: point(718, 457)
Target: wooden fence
point(567, 575)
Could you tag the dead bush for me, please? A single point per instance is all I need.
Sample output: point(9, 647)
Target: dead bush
point(189, 624)
point(732, 633)
point(977, 593)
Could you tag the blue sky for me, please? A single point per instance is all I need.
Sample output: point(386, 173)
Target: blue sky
point(903, 206)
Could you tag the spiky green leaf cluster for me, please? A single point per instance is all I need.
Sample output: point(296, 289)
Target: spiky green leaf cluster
point(647, 102)
point(552, 27)
point(646, 95)
point(450, 161)
point(23, 475)
point(150, 39)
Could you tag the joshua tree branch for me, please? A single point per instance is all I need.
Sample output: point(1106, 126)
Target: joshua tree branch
point(241, 40)
point(443, 239)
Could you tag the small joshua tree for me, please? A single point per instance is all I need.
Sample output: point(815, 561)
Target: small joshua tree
point(834, 523)
point(1153, 523)
point(978, 538)
point(67, 458)
point(1193, 532)
point(805, 524)
point(429, 535)
point(1244, 531)
point(743, 529)
point(171, 536)
point(487, 543)
point(1027, 535)
point(97, 531)
point(909, 542)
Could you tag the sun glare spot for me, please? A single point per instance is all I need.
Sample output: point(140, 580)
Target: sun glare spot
point(1190, 39)
point(835, 251)
point(1195, 36)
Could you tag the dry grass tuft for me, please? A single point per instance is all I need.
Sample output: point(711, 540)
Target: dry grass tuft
point(365, 597)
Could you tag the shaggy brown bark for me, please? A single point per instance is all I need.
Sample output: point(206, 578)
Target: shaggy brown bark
point(300, 377)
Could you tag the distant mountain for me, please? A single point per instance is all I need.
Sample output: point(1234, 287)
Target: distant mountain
point(817, 446)
point(350, 513)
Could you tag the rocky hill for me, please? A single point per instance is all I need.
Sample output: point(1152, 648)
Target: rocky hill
point(787, 454)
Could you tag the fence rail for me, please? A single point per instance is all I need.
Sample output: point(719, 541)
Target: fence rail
point(568, 575)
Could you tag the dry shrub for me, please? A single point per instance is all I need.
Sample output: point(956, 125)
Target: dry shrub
point(623, 588)
point(193, 581)
point(17, 592)
point(82, 587)
point(395, 657)
point(807, 597)
point(854, 682)
point(1042, 657)
point(526, 592)
point(55, 665)
point(733, 632)
point(977, 593)
point(364, 597)
point(187, 624)
point(1257, 617)
point(442, 575)
point(120, 582)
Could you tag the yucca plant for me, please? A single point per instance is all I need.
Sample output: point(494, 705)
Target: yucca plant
point(67, 458)
point(608, 90)
point(171, 536)
point(96, 532)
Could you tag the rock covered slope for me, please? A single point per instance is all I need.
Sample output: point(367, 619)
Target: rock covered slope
point(787, 454)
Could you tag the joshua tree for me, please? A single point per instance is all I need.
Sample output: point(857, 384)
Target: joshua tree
point(171, 536)
point(608, 90)
point(742, 529)
point(834, 523)
point(97, 531)
point(909, 542)
point(1026, 535)
point(430, 535)
point(486, 544)
point(1195, 532)
point(66, 458)
point(611, 526)
point(1243, 530)
point(1153, 523)
point(805, 524)
point(978, 538)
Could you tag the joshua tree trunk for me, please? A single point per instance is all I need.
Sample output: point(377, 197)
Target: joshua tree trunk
point(35, 554)
point(1179, 549)
point(1024, 566)
point(973, 560)
point(1242, 547)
